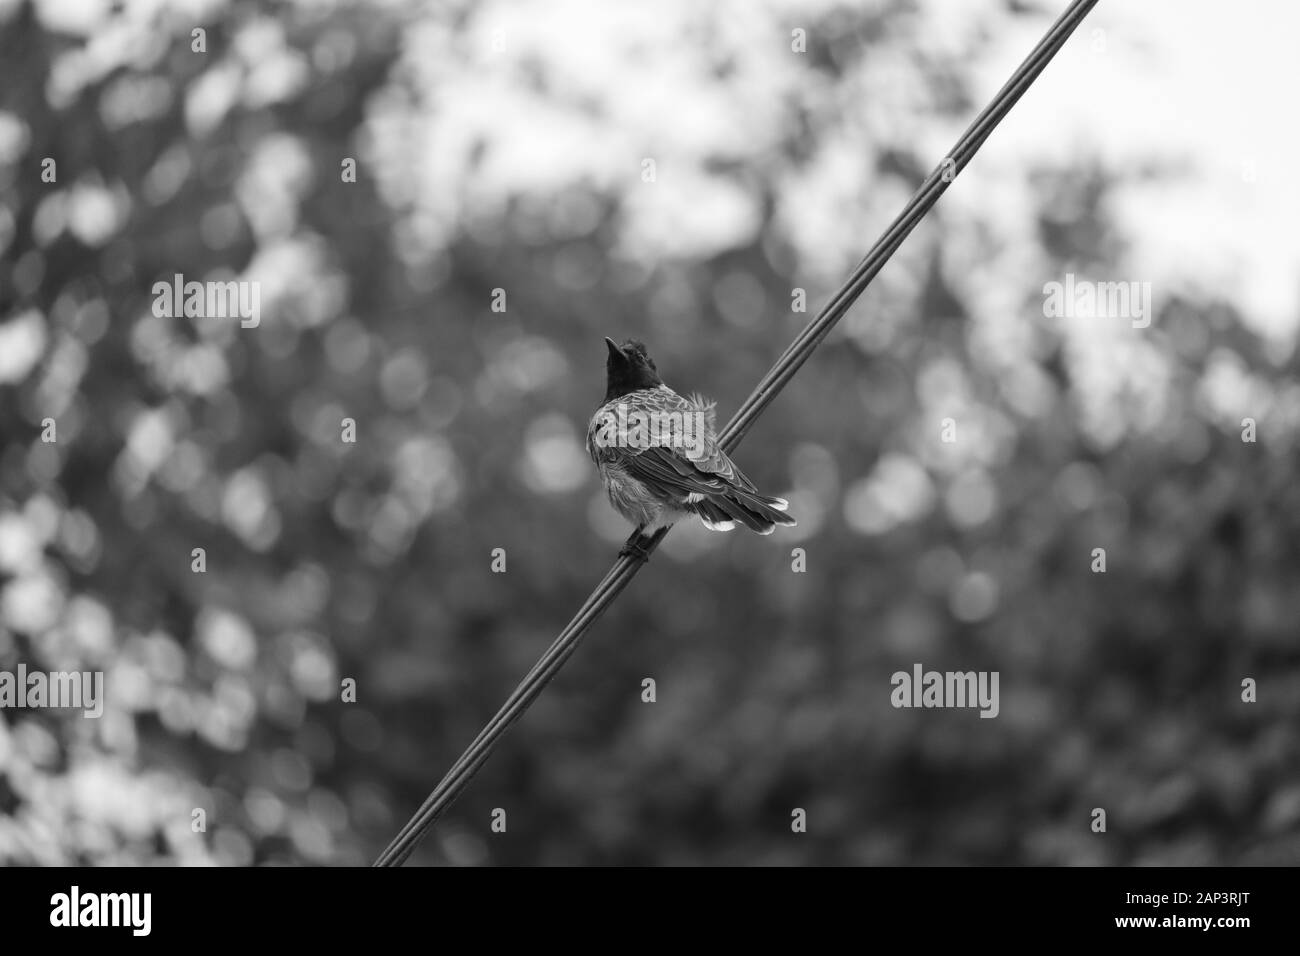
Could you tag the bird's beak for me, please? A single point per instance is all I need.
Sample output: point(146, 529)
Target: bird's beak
point(614, 350)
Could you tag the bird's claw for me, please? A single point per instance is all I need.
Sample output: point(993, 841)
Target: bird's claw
point(634, 549)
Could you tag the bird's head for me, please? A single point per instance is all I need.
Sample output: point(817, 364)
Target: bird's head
point(628, 368)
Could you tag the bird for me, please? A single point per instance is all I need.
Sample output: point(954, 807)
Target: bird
point(658, 456)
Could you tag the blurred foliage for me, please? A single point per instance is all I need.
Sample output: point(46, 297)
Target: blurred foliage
point(371, 561)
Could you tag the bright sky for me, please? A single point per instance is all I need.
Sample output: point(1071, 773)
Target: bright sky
point(1195, 85)
point(1191, 86)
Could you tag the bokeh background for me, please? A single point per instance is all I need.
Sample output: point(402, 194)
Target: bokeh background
point(501, 145)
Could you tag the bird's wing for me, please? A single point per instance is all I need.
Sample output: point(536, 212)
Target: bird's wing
point(668, 467)
point(672, 475)
point(714, 461)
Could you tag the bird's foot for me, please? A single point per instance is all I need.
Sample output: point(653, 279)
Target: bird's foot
point(635, 548)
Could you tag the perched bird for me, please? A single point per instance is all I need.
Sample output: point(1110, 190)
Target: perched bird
point(658, 455)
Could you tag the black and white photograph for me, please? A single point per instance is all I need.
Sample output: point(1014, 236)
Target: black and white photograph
point(559, 434)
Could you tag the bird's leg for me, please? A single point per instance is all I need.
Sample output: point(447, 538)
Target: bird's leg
point(634, 547)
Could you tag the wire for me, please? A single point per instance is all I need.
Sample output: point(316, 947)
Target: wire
point(463, 770)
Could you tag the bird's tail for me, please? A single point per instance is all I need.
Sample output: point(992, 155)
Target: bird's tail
point(757, 512)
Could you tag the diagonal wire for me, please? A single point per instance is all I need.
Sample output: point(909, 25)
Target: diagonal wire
point(458, 777)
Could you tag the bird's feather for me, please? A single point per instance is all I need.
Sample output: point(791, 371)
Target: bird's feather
point(654, 483)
